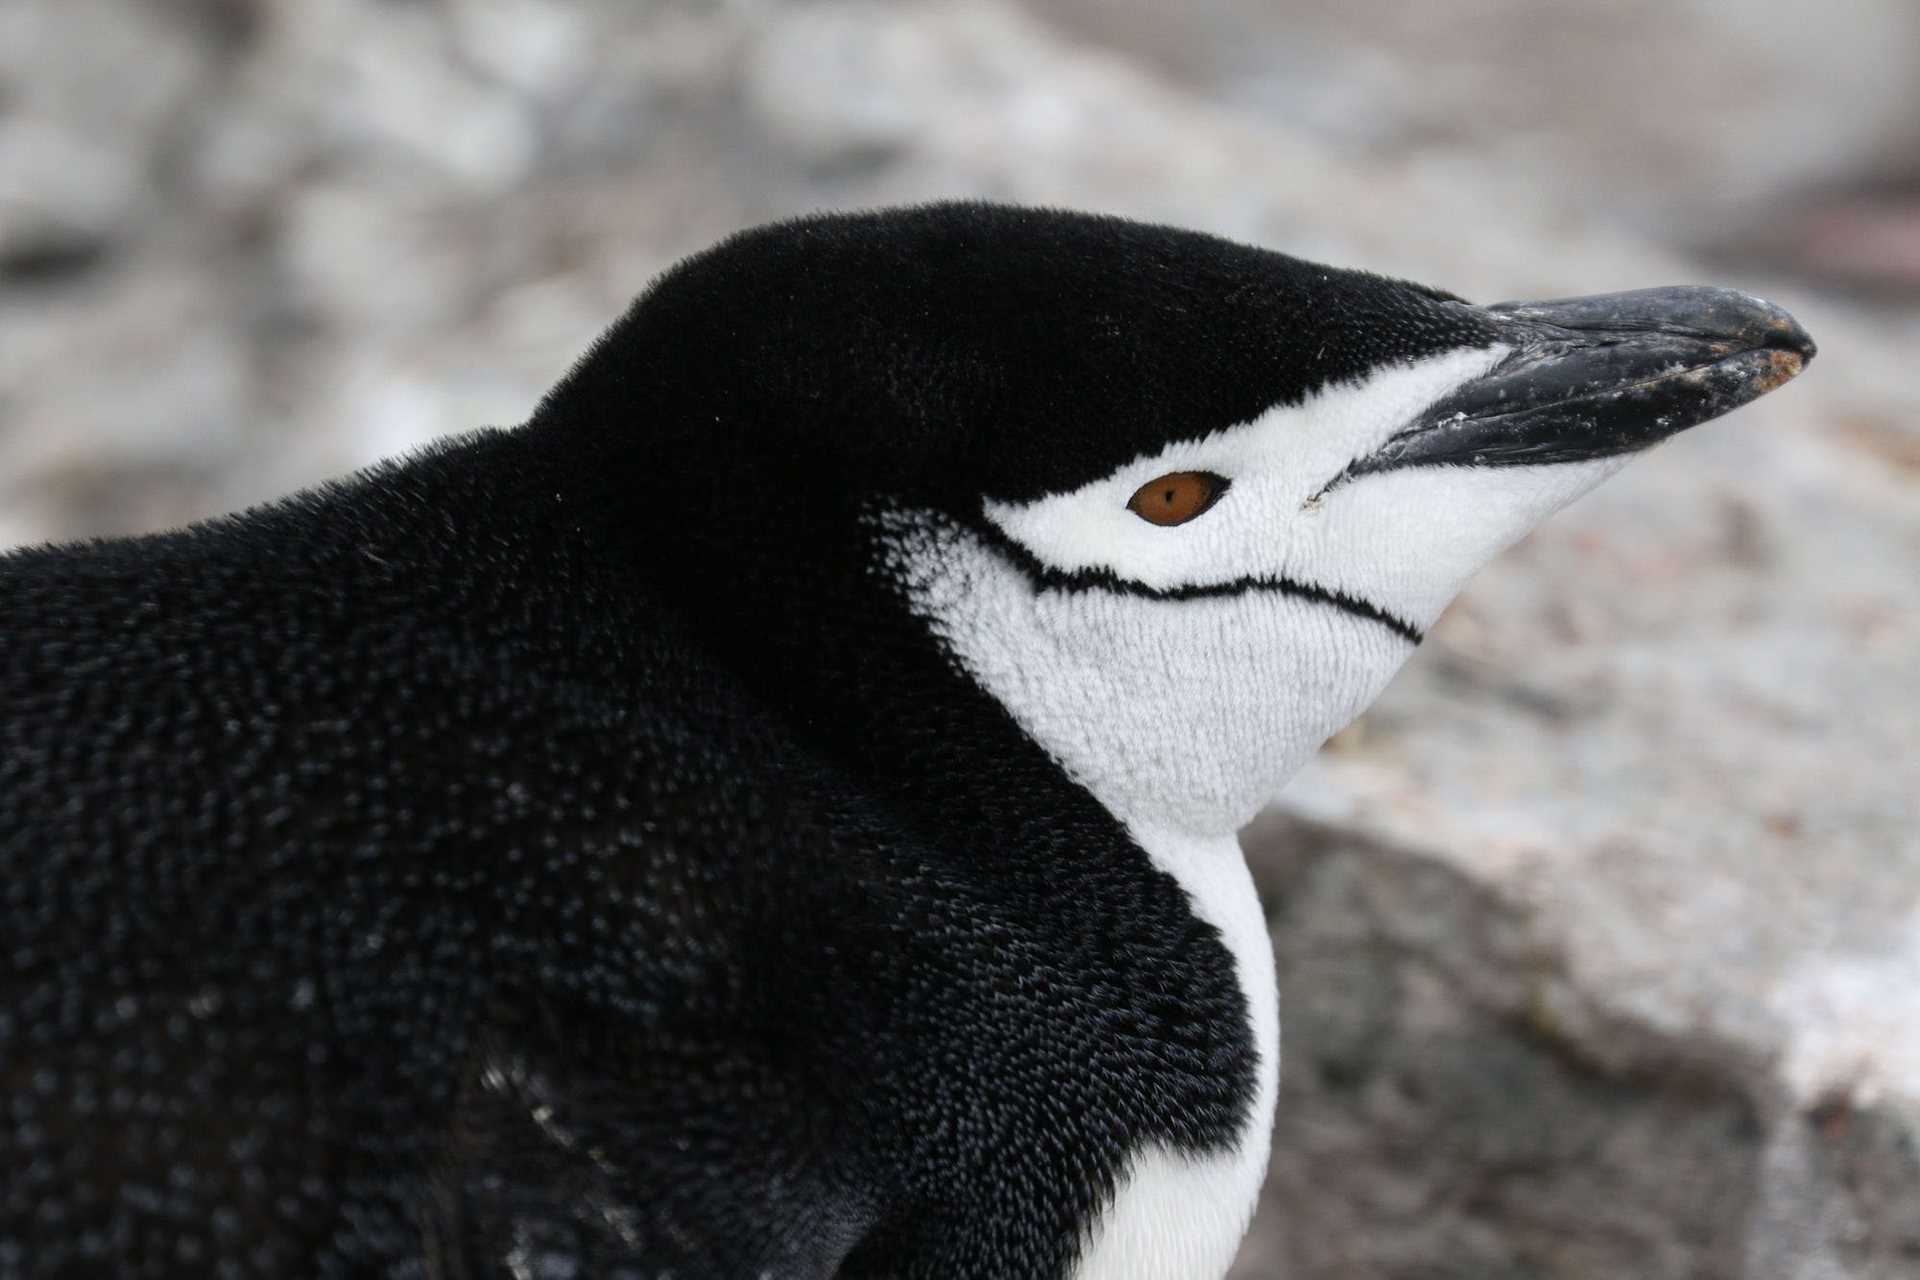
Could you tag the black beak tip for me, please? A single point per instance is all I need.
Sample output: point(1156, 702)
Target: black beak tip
point(1786, 334)
point(1779, 343)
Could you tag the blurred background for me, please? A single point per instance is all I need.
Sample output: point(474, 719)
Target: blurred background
point(1599, 937)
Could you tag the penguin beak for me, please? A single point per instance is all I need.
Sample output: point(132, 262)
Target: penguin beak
point(1605, 375)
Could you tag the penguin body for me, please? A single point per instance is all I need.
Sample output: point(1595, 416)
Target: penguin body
point(637, 1001)
point(772, 814)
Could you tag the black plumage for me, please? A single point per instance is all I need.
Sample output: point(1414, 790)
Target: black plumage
point(560, 853)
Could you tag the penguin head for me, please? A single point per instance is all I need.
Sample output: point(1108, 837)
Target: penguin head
point(1181, 506)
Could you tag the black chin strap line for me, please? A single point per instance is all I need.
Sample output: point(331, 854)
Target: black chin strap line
point(1047, 578)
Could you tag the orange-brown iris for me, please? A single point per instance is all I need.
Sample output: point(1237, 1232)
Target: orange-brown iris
point(1176, 497)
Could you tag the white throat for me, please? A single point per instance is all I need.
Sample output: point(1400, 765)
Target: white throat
point(1183, 674)
point(1177, 714)
point(1176, 1216)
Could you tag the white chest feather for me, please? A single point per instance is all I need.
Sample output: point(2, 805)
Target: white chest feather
point(1175, 1216)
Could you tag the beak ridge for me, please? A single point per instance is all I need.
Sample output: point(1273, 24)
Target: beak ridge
point(1599, 376)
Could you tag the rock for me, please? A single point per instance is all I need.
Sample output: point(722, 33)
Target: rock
point(62, 200)
point(1459, 1098)
point(89, 92)
point(1454, 1104)
point(1650, 743)
point(1677, 117)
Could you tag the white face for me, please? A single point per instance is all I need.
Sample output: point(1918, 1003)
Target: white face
point(1187, 687)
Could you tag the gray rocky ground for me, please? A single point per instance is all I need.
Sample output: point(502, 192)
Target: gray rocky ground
point(1600, 937)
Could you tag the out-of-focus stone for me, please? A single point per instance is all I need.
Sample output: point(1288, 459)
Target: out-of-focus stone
point(1453, 1102)
point(89, 91)
point(62, 199)
point(1675, 115)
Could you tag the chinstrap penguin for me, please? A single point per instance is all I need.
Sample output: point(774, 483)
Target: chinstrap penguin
point(772, 814)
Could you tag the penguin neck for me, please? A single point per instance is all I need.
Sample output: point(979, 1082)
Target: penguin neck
point(777, 583)
point(867, 685)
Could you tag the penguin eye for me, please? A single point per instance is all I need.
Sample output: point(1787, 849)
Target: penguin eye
point(1176, 497)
